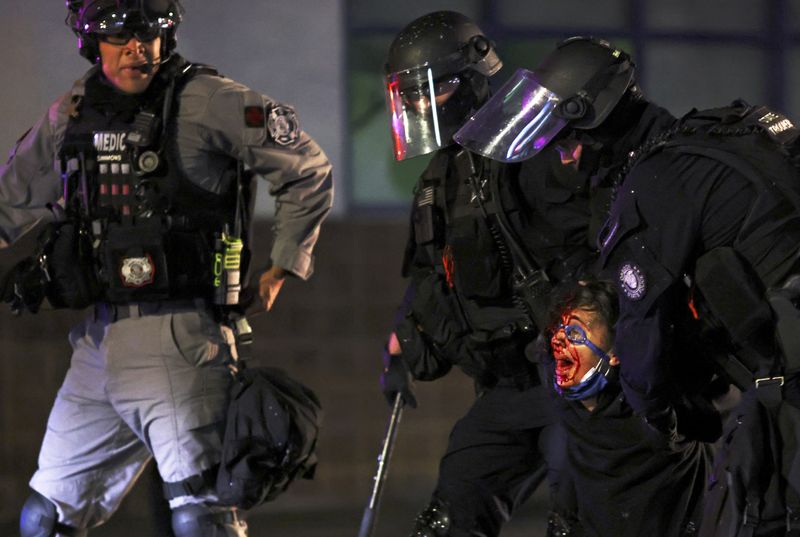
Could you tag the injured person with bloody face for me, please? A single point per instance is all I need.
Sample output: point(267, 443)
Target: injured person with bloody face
point(619, 477)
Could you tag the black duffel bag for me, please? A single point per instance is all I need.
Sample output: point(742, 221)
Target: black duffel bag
point(270, 437)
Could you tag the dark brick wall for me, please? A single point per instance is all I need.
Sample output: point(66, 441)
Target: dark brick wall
point(328, 332)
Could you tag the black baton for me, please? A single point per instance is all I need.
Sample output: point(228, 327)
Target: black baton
point(371, 511)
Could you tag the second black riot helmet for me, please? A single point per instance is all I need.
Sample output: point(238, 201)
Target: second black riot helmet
point(577, 86)
point(437, 74)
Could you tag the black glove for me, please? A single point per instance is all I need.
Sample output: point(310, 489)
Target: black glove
point(665, 424)
point(698, 420)
point(421, 355)
point(396, 378)
point(22, 287)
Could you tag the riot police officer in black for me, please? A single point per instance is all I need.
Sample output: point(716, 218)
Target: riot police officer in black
point(470, 216)
point(701, 239)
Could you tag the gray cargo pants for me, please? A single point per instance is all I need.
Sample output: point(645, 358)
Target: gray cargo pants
point(142, 386)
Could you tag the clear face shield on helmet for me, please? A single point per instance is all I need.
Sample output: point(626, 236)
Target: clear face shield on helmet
point(418, 118)
point(516, 123)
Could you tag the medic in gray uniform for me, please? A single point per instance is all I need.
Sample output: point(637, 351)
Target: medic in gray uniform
point(142, 171)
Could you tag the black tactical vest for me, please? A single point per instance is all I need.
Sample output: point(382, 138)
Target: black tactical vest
point(452, 234)
point(152, 230)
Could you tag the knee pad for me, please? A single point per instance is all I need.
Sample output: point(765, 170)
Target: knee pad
point(433, 521)
point(39, 518)
point(197, 520)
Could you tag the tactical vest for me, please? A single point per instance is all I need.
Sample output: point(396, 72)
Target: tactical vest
point(471, 268)
point(452, 234)
point(145, 231)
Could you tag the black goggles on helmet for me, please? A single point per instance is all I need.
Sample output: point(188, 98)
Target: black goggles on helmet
point(118, 26)
point(120, 38)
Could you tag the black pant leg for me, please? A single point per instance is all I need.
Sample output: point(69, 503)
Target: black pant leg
point(495, 458)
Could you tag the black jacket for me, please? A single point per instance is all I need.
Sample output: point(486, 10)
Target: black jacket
point(625, 478)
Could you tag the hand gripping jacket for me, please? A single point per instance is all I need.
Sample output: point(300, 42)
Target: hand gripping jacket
point(145, 230)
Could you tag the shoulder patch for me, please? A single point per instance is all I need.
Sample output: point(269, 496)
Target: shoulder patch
point(282, 125)
point(632, 281)
point(776, 125)
point(254, 116)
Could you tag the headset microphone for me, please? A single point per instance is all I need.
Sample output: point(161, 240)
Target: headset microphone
point(152, 63)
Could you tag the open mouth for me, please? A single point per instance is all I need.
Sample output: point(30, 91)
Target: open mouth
point(563, 363)
point(565, 368)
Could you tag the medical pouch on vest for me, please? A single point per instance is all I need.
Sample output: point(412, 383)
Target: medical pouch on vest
point(135, 262)
point(66, 250)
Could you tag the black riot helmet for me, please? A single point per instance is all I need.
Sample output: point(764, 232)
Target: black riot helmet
point(143, 19)
point(436, 75)
point(577, 86)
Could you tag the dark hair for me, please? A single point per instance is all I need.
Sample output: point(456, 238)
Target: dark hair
point(598, 296)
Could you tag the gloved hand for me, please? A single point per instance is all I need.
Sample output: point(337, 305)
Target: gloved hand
point(698, 420)
point(22, 287)
point(665, 424)
point(396, 378)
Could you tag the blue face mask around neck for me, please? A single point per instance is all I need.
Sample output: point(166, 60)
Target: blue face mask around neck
point(589, 387)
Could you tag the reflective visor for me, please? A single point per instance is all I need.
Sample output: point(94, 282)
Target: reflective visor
point(414, 99)
point(516, 123)
point(120, 20)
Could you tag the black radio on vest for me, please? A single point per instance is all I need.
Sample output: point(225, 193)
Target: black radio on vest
point(227, 269)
